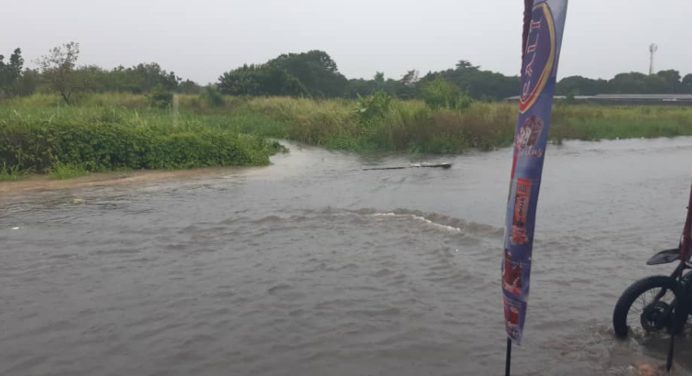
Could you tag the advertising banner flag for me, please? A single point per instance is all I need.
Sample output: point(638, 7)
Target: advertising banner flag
point(544, 22)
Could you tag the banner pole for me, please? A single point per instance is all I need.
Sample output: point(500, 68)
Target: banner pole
point(671, 350)
point(508, 360)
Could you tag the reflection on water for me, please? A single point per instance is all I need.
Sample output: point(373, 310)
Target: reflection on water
point(314, 266)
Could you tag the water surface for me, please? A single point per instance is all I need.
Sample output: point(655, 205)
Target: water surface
point(313, 266)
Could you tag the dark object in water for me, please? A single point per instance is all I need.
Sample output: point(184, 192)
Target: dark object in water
point(413, 165)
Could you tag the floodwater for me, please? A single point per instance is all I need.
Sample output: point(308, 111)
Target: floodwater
point(313, 266)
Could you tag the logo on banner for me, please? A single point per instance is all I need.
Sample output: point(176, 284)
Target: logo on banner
point(539, 56)
point(515, 311)
point(521, 212)
point(512, 275)
point(528, 137)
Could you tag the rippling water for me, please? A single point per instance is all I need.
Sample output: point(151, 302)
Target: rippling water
point(314, 267)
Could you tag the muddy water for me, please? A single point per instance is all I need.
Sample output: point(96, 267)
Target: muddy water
point(315, 267)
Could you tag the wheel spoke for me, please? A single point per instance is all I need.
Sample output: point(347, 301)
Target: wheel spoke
point(644, 300)
point(645, 305)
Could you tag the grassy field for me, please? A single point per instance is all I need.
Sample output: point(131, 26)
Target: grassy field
point(38, 134)
point(582, 122)
point(410, 126)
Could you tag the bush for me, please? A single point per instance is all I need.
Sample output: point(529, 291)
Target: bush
point(161, 98)
point(373, 107)
point(106, 139)
point(9, 174)
point(64, 171)
point(212, 96)
point(439, 94)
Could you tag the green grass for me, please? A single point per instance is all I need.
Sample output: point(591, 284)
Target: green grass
point(35, 137)
point(10, 174)
point(62, 171)
point(410, 126)
point(598, 122)
point(110, 131)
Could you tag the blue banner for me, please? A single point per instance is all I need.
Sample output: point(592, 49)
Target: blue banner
point(542, 38)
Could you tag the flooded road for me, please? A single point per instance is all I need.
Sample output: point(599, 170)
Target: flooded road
point(313, 266)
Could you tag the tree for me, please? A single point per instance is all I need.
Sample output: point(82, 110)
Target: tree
point(670, 81)
point(406, 87)
point(464, 65)
point(578, 85)
point(687, 83)
point(189, 87)
point(379, 78)
point(260, 80)
point(58, 68)
point(360, 87)
point(10, 72)
point(479, 84)
point(312, 73)
point(141, 78)
point(410, 78)
point(150, 76)
point(93, 78)
point(632, 82)
point(315, 70)
point(27, 83)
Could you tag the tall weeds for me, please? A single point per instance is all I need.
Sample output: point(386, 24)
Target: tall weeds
point(115, 130)
point(95, 138)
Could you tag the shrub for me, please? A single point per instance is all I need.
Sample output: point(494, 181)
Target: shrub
point(373, 107)
point(212, 96)
point(66, 171)
point(160, 98)
point(440, 93)
point(96, 139)
point(9, 174)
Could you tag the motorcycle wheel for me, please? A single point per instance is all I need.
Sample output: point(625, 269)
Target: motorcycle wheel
point(639, 306)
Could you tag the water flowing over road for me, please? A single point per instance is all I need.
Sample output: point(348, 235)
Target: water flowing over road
point(313, 266)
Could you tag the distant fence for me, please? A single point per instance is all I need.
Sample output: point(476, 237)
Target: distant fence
point(626, 99)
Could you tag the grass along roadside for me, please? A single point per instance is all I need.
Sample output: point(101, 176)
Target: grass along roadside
point(10, 174)
point(62, 171)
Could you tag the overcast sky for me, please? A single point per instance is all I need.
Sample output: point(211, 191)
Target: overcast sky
point(200, 39)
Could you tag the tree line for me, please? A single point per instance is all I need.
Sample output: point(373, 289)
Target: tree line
point(315, 74)
point(312, 74)
point(58, 72)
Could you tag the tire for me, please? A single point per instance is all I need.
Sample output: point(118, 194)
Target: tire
point(649, 315)
point(686, 280)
